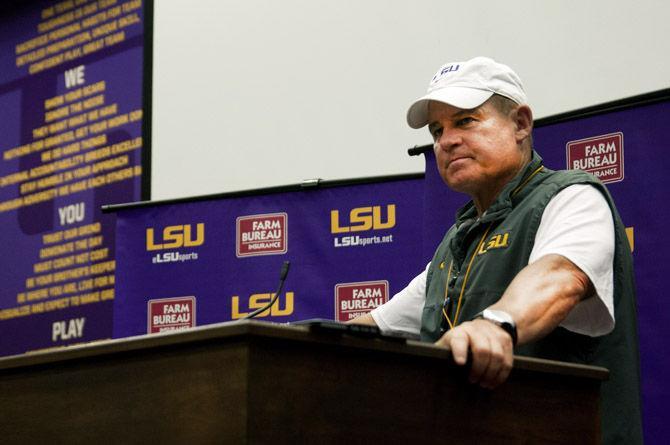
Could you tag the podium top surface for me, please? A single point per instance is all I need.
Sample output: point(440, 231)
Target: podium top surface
point(237, 331)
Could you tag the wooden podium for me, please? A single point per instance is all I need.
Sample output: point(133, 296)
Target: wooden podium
point(256, 383)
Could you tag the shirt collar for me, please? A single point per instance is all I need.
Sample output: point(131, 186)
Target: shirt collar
point(503, 202)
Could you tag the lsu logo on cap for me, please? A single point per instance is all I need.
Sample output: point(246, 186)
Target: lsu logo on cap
point(355, 299)
point(262, 234)
point(602, 156)
point(444, 70)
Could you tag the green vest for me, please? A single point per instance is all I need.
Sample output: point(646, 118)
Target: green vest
point(479, 257)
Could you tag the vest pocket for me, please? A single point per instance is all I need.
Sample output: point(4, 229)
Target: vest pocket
point(431, 320)
point(475, 302)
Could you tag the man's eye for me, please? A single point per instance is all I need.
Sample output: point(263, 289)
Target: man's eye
point(437, 133)
point(465, 121)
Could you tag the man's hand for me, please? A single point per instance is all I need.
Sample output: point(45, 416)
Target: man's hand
point(538, 299)
point(491, 347)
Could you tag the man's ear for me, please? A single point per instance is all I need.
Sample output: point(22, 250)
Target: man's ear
point(523, 119)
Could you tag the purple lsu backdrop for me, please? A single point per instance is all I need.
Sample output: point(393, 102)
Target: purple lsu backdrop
point(22, 109)
point(216, 279)
point(214, 260)
point(640, 197)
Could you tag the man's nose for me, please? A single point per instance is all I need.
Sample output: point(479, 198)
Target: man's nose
point(447, 140)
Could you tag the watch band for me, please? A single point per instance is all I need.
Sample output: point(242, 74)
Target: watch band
point(501, 319)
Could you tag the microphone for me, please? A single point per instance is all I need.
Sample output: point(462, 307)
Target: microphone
point(282, 278)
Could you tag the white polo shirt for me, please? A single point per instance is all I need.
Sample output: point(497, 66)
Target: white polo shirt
point(577, 224)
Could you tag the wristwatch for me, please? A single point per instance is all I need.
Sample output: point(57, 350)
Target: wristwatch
point(500, 318)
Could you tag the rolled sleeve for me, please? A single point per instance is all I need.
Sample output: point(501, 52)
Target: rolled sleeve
point(577, 224)
point(403, 311)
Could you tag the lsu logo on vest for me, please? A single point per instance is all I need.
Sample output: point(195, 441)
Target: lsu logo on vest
point(175, 237)
point(362, 219)
point(257, 301)
point(499, 241)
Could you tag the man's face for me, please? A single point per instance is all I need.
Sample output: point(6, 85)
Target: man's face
point(477, 150)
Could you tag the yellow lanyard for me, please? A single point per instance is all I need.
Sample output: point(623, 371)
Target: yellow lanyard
point(472, 259)
point(465, 280)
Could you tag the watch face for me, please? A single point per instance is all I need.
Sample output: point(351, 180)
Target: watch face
point(502, 319)
point(498, 316)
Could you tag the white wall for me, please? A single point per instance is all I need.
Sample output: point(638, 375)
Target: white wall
point(255, 93)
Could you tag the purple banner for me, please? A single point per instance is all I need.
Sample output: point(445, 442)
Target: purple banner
point(350, 247)
point(628, 150)
point(202, 262)
point(71, 92)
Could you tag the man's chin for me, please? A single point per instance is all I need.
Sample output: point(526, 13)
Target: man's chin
point(458, 183)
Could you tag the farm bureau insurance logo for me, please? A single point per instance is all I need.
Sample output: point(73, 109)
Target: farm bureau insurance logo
point(362, 219)
point(602, 156)
point(175, 237)
point(355, 299)
point(170, 314)
point(262, 234)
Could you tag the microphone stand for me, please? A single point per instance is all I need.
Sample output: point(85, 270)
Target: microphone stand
point(282, 279)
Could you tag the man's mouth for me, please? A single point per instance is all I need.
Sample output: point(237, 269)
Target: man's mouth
point(457, 160)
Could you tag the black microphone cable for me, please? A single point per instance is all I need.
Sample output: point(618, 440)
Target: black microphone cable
point(282, 278)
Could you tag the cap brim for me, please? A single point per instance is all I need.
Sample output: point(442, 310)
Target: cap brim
point(459, 97)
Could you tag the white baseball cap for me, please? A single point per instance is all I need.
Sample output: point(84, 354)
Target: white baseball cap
point(467, 85)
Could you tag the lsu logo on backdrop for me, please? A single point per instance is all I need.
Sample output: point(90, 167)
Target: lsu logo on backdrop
point(262, 234)
point(354, 299)
point(602, 156)
point(175, 237)
point(283, 307)
point(170, 314)
point(363, 219)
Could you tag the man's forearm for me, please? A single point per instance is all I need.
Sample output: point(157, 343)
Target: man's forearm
point(363, 319)
point(538, 299)
point(542, 294)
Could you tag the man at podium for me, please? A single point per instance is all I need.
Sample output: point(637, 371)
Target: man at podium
point(537, 263)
